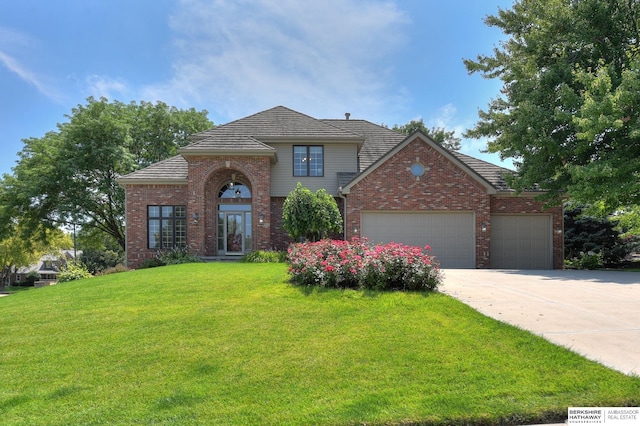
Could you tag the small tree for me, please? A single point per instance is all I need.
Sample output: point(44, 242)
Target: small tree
point(310, 215)
point(585, 234)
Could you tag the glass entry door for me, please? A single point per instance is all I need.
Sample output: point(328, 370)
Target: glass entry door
point(234, 229)
point(234, 233)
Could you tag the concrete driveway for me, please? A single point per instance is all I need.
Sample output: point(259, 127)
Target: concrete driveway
point(594, 313)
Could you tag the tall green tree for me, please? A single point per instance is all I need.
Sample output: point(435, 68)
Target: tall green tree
point(445, 138)
point(70, 175)
point(568, 111)
point(310, 215)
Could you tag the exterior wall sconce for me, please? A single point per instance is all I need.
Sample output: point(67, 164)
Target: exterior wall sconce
point(483, 227)
point(261, 219)
point(195, 218)
point(355, 230)
point(558, 231)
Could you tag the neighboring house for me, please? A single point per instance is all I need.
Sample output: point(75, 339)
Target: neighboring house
point(223, 194)
point(48, 267)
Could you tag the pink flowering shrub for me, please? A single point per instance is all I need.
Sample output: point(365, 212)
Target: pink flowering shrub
point(356, 264)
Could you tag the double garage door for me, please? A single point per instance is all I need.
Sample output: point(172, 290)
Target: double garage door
point(517, 241)
point(450, 235)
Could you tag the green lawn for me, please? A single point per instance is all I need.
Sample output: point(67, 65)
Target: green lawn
point(236, 344)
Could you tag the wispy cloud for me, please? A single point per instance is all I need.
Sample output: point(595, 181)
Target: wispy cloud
point(321, 57)
point(28, 76)
point(16, 41)
point(104, 86)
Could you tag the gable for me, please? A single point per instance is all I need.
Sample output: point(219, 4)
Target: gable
point(415, 140)
point(277, 124)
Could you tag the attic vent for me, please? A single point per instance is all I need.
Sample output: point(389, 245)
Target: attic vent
point(347, 115)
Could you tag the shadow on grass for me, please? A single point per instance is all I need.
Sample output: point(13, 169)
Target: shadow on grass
point(309, 290)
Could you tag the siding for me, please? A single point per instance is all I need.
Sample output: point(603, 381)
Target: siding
point(337, 158)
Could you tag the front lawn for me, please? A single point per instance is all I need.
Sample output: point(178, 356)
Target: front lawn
point(237, 344)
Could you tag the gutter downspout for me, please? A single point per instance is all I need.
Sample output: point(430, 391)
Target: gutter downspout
point(344, 218)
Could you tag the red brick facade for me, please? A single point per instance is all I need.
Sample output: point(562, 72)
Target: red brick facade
point(445, 186)
point(138, 198)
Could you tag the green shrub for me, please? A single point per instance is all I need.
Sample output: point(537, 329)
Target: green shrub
point(265, 256)
point(154, 262)
point(590, 261)
point(176, 256)
point(115, 269)
point(97, 260)
point(73, 271)
point(29, 280)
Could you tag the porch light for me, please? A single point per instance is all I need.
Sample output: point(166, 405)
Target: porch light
point(558, 231)
point(483, 227)
point(355, 230)
point(195, 218)
point(261, 219)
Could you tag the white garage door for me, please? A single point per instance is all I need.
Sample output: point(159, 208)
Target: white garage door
point(521, 242)
point(450, 235)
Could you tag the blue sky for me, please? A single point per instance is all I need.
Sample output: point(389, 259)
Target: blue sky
point(388, 62)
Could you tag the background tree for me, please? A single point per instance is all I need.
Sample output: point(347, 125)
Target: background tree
point(310, 215)
point(438, 134)
point(70, 175)
point(17, 251)
point(567, 112)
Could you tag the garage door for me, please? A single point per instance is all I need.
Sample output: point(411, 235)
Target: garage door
point(450, 235)
point(521, 242)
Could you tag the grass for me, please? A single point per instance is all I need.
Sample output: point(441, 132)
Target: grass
point(236, 344)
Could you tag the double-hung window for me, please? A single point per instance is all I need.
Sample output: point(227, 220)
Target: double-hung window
point(167, 226)
point(308, 160)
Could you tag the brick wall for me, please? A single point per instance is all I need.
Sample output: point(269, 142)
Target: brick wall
point(207, 174)
point(138, 198)
point(443, 187)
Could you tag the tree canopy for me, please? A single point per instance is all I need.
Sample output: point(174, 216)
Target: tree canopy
point(567, 113)
point(17, 250)
point(445, 138)
point(70, 175)
point(310, 215)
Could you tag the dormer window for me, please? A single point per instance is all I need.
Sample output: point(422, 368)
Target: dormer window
point(308, 160)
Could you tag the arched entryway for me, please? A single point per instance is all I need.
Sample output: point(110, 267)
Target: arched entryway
point(234, 219)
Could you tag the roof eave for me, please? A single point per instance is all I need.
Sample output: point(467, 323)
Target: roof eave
point(151, 181)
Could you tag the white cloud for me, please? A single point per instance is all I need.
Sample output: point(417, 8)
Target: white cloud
point(103, 86)
point(323, 57)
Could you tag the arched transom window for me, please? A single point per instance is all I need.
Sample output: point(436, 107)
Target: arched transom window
point(234, 190)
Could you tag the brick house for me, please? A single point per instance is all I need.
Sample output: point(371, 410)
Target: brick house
point(223, 194)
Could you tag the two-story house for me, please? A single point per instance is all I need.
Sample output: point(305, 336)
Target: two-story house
point(223, 194)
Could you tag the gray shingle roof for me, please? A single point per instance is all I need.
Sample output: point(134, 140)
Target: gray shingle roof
point(248, 135)
point(276, 123)
point(171, 170)
point(489, 172)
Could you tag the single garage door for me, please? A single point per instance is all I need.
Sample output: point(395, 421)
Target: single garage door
point(450, 235)
point(521, 242)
